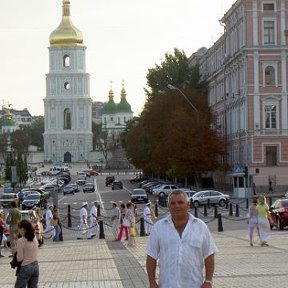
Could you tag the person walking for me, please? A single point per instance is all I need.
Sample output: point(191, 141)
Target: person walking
point(147, 215)
point(83, 221)
point(131, 218)
point(183, 245)
point(27, 250)
point(3, 230)
point(252, 220)
point(122, 226)
point(56, 224)
point(264, 220)
point(48, 219)
point(14, 217)
point(115, 220)
point(93, 221)
point(39, 217)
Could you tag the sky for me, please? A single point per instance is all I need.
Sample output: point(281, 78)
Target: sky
point(123, 39)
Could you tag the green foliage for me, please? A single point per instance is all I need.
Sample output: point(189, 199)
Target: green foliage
point(170, 137)
point(100, 139)
point(173, 70)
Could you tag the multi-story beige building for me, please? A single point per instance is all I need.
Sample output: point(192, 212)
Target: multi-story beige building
point(246, 70)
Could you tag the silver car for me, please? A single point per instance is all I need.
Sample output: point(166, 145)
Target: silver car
point(209, 196)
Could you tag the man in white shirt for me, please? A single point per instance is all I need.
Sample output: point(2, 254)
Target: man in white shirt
point(93, 223)
point(48, 218)
point(183, 245)
point(83, 221)
point(147, 215)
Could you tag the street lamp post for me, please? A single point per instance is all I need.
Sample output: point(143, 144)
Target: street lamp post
point(171, 87)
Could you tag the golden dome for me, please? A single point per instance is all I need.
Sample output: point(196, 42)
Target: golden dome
point(66, 34)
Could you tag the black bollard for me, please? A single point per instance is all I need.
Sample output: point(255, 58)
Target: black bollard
point(101, 230)
point(237, 210)
point(156, 210)
point(196, 212)
point(270, 201)
point(205, 210)
point(215, 211)
point(220, 225)
point(69, 216)
point(227, 204)
point(142, 227)
point(98, 210)
point(208, 203)
point(247, 203)
point(231, 210)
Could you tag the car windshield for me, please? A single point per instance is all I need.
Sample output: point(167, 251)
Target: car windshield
point(138, 192)
point(284, 203)
point(32, 197)
point(8, 196)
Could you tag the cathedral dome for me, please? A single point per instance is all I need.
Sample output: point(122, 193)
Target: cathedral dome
point(110, 107)
point(66, 34)
point(123, 106)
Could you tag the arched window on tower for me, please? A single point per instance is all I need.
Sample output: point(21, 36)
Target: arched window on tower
point(67, 119)
point(269, 75)
point(66, 61)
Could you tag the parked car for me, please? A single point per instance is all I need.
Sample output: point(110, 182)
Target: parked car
point(75, 187)
point(50, 188)
point(164, 189)
point(94, 173)
point(88, 187)
point(8, 198)
point(109, 180)
point(82, 174)
point(214, 197)
point(68, 189)
point(117, 184)
point(279, 213)
point(34, 200)
point(138, 179)
point(81, 181)
point(139, 195)
point(46, 194)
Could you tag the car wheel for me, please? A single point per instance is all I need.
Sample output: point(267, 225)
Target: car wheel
point(162, 194)
point(222, 202)
point(196, 203)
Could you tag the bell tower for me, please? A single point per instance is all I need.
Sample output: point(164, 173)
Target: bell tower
point(67, 106)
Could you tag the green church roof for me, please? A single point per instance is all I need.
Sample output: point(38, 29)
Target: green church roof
point(124, 106)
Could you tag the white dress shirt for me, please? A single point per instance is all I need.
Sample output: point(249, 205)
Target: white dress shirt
point(181, 260)
point(83, 214)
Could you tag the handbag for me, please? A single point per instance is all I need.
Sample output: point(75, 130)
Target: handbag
point(126, 222)
point(132, 231)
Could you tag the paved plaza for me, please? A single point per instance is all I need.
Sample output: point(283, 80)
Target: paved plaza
point(103, 263)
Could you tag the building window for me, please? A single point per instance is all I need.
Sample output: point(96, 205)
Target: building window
point(269, 75)
point(67, 85)
point(268, 7)
point(270, 116)
point(66, 61)
point(271, 156)
point(67, 119)
point(269, 32)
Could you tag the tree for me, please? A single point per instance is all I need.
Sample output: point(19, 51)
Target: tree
point(174, 70)
point(36, 133)
point(100, 139)
point(171, 138)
